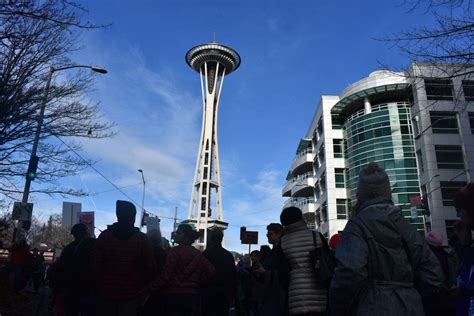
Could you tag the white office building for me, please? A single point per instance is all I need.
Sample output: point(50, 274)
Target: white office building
point(417, 125)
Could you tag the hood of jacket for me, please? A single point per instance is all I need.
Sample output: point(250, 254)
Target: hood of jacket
point(122, 232)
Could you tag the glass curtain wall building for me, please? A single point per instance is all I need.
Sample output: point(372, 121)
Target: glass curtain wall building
point(388, 118)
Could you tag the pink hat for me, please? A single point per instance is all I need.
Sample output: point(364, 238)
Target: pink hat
point(434, 238)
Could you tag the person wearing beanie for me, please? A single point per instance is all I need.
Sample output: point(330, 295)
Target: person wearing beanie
point(306, 295)
point(123, 262)
point(381, 256)
point(464, 204)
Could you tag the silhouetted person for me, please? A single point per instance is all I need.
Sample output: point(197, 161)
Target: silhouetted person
point(464, 204)
point(18, 258)
point(186, 270)
point(75, 273)
point(219, 293)
point(123, 263)
point(155, 303)
point(440, 303)
point(381, 257)
point(307, 295)
point(274, 296)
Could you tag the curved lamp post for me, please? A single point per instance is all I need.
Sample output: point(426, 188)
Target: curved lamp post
point(143, 198)
point(33, 158)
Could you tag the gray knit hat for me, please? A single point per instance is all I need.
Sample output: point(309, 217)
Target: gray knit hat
point(373, 183)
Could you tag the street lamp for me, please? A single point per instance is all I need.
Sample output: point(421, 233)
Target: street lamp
point(31, 173)
point(143, 197)
point(34, 149)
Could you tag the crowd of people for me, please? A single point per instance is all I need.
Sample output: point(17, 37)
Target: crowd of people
point(378, 265)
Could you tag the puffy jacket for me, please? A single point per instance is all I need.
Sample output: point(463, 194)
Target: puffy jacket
point(185, 271)
point(305, 293)
point(383, 264)
point(123, 262)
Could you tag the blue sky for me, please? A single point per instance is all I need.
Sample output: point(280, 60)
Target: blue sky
point(292, 53)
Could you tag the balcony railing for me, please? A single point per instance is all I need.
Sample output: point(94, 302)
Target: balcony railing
point(299, 202)
point(306, 156)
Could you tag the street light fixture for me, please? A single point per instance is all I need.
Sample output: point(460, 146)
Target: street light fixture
point(33, 162)
point(143, 197)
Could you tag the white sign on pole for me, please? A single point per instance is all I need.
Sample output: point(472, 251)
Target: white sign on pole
point(414, 212)
point(152, 223)
point(70, 214)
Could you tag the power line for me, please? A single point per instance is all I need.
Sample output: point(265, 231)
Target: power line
point(98, 172)
point(126, 195)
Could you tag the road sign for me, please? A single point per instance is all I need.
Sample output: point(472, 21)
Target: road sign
point(22, 211)
point(250, 238)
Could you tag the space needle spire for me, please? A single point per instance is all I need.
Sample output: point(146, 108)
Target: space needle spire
point(213, 62)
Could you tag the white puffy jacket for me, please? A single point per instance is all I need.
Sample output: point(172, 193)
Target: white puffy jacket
point(305, 293)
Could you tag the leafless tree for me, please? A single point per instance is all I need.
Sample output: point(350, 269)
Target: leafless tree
point(35, 35)
point(450, 39)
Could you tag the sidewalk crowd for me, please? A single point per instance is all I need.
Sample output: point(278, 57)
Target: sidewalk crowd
point(378, 265)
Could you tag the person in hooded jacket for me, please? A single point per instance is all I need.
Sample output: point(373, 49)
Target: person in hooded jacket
point(382, 261)
point(123, 263)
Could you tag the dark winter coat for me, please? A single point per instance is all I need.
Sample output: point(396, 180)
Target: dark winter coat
point(123, 262)
point(224, 282)
point(185, 271)
point(383, 264)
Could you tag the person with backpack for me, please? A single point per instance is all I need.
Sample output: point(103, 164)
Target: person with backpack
point(383, 263)
point(306, 292)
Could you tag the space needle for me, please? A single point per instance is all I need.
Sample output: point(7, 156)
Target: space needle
point(213, 62)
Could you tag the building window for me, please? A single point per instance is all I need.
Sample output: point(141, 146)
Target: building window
point(341, 206)
point(449, 157)
point(448, 190)
point(471, 121)
point(317, 191)
point(338, 148)
point(450, 229)
point(324, 212)
point(419, 158)
point(439, 89)
point(443, 122)
point(340, 181)
point(320, 127)
point(337, 121)
point(322, 183)
point(468, 89)
point(321, 153)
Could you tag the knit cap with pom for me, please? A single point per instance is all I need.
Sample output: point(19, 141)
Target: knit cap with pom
point(373, 183)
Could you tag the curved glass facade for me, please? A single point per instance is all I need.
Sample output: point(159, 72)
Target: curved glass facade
point(385, 136)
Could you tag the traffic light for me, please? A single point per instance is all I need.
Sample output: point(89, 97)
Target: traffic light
point(209, 212)
point(32, 167)
point(425, 208)
point(144, 217)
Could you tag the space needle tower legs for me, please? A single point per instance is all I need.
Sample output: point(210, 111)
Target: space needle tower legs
point(213, 62)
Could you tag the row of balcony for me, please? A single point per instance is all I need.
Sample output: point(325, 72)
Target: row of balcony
point(299, 185)
point(303, 161)
point(305, 204)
